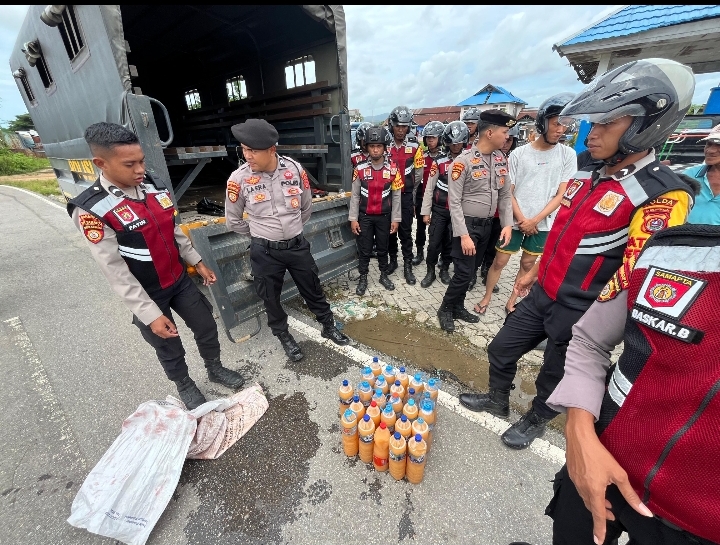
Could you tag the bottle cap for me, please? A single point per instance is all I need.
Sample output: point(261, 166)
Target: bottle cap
point(427, 395)
point(402, 369)
point(349, 414)
point(395, 398)
point(418, 437)
point(403, 418)
point(388, 368)
point(367, 370)
point(418, 377)
point(411, 391)
point(420, 420)
point(365, 385)
point(427, 406)
point(356, 398)
point(388, 409)
point(375, 359)
point(432, 382)
point(345, 382)
point(380, 379)
point(383, 425)
point(397, 383)
point(397, 434)
point(373, 403)
point(378, 392)
point(411, 402)
point(366, 418)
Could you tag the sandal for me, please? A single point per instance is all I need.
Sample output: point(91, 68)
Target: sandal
point(480, 309)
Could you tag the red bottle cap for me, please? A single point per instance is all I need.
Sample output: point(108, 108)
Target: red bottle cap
point(383, 425)
point(373, 403)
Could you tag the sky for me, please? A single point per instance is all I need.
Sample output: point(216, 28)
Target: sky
point(424, 56)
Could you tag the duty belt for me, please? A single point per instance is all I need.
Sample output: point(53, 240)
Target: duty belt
point(279, 244)
point(477, 221)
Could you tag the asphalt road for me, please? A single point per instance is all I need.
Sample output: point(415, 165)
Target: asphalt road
point(73, 367)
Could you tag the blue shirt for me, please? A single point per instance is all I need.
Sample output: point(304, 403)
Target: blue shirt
point(707, 206)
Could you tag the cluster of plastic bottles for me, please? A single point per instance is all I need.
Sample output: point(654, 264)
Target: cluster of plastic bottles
point(389, 420)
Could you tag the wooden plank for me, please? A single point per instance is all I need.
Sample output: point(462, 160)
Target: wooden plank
point(301, 113)
point(270, 107)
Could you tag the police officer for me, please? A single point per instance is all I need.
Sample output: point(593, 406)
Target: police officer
point(275, 192)
point(375, 206)
point(128, 221)
point(431, 139)
point(478, 185)
point(359, 155)
point(471, 118)
point(407, 155)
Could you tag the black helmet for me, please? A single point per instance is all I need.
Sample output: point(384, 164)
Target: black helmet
point(551, 108)
point(656, 92)
point(434, 128)
point(401, 115)
point(377, 135)
point(471, 115)
point(360, 133)
point(455, 132)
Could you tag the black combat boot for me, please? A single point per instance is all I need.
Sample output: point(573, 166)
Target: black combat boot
point(445, 274)
point(473, 280)
point(333, 333)
point(523, 432)
point(445, 316)
point(419, 256)
point(292, 349)
point(361, 285)
point(190, 395)
point(393, 264)
point(495, 402)
point(409, 276)
point(429, 277)
point(385, 282)
point(222, 375)
point(461, 313)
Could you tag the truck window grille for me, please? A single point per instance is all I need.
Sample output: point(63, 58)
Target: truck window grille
point(22, 76)
point(44, 71)
point(71, 33)
point(236, 88)
point(300, 72)
point(192, 99)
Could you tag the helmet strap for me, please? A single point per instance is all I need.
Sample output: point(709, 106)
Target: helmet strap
point(619, 157)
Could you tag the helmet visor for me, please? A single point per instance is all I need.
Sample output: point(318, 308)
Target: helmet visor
point(602, 118)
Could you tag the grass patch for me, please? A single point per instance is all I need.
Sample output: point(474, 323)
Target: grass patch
point(18, 163)
point(43, 187)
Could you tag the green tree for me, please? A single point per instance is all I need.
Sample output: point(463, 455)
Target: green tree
point(22, 122)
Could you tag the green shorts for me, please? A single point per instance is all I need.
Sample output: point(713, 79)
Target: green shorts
point(531, 244)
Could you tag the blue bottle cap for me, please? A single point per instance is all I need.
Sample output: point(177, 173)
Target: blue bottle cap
point(397, 383)
point(375, 359)
point(418, 377)
point(378, 392)
point(366, 418)
point(411, 402)
point(427, 406)
point(411, 391)
point(388, 368)
point(367, 370)
point(356, 398)
point(349, 414)
point(420, 420)
point(397, 435)
point(380, 379)
point(345, 383)
point(365, 385)
point(418, 437)
point(402, 369)
point(432, 382)
point(427, 396)
point(403, 418)
point(388, 409)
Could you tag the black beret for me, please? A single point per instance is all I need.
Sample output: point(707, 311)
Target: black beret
point(497, 117)
point(255, 134)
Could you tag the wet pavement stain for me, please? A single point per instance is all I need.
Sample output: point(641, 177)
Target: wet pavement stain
point(319, 492)
point(405, 526)
point(320, 362)
point(373, 492)
point(250, 492)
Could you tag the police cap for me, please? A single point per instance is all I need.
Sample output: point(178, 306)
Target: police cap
point(497, 117)
point(255, 134)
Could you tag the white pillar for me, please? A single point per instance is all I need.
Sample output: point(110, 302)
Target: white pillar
point(603, 63)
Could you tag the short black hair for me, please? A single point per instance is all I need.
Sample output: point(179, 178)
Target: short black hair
point(106, 136)
point(482, 126)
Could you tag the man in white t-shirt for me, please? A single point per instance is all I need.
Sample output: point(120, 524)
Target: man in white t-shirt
point(538, 172)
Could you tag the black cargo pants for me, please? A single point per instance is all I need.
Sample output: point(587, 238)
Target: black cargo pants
point(405, 229)
point(420, 227)
point(196, 311)
point(536, 318)
point(489, 256)
point(269, 266)
point(573, 524)
point(479, 231)
point(373, 229)
point(440, 237)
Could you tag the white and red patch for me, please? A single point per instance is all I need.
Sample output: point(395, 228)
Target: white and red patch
point(93, 228)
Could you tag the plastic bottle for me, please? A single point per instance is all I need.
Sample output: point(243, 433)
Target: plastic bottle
point(403, 377)
point(397, 389)
point(389, 374)
point(379, 398)
point(348, 422)
point(365, 393)
point(381, 452)
point(381, 383)
point(427, 399)
point(397, 404)
point(398, 457)
point(403, 426)
point(375, 366)
point(374, 412)
point(410, 410)
point(428, 415)
point(410, 395)
point(367, 375)
point(388, 417)
point(357, 407)
point(421, 427)
point(433, 386)
point(366, 436)
point(415, 468)
point(416, 382)
point(345, 395)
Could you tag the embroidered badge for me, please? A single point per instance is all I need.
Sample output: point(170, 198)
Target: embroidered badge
point(355, 175)
point(125, 215)
point(233, 190)
point(368, 173)
point(476, 174)
point(164, 200)
point(609, 203)
point(457, 170)
point(655, 218)
point(501, 182)
point(475, 161)
point(572, 189)
point(295, 202)
point(293, 190)
point(393, 170)
point(397, 184)
point(305, 181)
point(433, 169)
point(499, 158)
point(408, 149)
point(610, 290)
point(260, 197)
point(93, 228)
point(252, 180)
point(288, 175)
point(386, 174)
point(501, 171)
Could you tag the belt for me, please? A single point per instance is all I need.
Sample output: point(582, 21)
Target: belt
point(279, 244)
point(478, 221)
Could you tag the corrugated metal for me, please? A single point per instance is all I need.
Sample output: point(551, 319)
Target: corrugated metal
point(634, 19)
point(491, 94)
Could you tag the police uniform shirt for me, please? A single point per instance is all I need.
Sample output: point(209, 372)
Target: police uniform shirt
point(107, 255)
point(278, 203)
point(477, 186)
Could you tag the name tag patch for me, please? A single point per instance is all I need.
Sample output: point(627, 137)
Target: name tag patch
point(668, 327)
point(609, 203)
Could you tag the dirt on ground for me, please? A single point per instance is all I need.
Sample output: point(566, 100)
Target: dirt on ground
point(44, 174)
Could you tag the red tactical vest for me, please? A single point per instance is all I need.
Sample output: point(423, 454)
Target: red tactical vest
point(440, 193)
point(375, 190)
point(426, 169)
point(358, 157)
point(660, 417)
point(145, 231)
point(585, 246)
point(404, 158)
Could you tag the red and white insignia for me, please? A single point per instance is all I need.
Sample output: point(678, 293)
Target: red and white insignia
point(93, 228)
point(295, 202)
point(669, 292)
point(572, 189)
point(288, 175)
point(655, 218)
point(501, 171)
point(125, 215)
point(498, 158)
point(305, 181)
point(368, 173)
point(233, 190)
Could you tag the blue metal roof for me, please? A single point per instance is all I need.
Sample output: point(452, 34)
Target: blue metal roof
point(491, 94)
point(634, 19)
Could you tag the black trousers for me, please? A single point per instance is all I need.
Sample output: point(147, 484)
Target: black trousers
point(269, 267)
point(405, 230)
point(374, 229)
point(489, 255)
point(440, 237)
point(479, 231)
point(420, 227)
point(536, 318)
point(196, 311)
point(573, 524)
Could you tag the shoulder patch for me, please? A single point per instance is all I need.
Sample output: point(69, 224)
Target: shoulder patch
point(457, 170)
point(233, 190)
point(611, 290)
point(433, 169)
point(93, 228)
point(304, 178)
